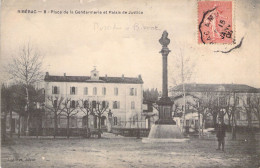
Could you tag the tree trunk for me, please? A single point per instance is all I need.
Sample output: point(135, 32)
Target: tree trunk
point(11, 123)
point(214, 118)
point(37, 126)
point(199, 123)
point(87, 121)
point(229, 121)
point(99, 126)
point(234, 135)
point(19, 126)
point(3, 127)
point(28, 113)
point(55, 125)
point(250, 127)
point(27, 125)
point(68, 126)
point(203, 120)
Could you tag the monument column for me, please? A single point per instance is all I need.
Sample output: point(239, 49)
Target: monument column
point(165, 103)
point(165, 129)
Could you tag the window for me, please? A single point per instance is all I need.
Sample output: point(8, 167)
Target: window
point(73, 104)
point(132, 105)
point(116, 91)
point(55, 103)
point(94, 91)
point(238, 115)
point(237, 100)
point(73, 90)
point(116, 105)
point(104, 90)
point(248, 100)
point(86, 105)
point(131, 91)
point(187, 122)
point(104, 104)
point(73, 121)
point(55, 90)
point(115, 120)
point(86, 91)
point(94, 104)
point(222, 101)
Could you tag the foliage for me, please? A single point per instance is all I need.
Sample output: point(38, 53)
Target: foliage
point(151, 95)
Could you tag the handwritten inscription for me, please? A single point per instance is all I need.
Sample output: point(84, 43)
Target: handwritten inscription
point(116, 27)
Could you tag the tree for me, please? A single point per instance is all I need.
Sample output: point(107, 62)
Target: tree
point(204, 106)
point(151, 95)
point(69, 110)
point(182, 74)
point(54, 105)
point(249, 107)
point(100, 108)
point(86, 107)
point(255, 104)
point(6, 107)
point(26, 69)
point(19, 103)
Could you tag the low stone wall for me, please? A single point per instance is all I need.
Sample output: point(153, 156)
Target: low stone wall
point(131, 132)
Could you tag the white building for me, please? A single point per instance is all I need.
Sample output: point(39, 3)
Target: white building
point(124, 96)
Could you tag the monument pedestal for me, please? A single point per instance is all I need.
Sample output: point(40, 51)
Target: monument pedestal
point(165, 129)
point(165, 134)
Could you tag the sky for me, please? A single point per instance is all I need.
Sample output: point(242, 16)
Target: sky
point(128, 43)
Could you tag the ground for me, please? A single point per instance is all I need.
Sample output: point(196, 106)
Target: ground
point(116, 151)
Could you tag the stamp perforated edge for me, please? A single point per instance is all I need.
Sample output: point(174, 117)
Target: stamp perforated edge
point(233, 24)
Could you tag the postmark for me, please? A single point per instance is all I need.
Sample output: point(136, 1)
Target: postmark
point(215, 22)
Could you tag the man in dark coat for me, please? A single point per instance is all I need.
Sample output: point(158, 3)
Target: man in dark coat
point(221, 133)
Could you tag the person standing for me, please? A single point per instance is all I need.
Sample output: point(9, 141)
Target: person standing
point(221, 133)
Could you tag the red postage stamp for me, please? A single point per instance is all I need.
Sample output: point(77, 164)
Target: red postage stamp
point(215, 22)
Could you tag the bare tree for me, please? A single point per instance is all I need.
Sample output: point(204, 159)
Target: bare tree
point(182, 74)
point(255, 104)
point(26, 68)
point(100, 108)
point(19, 104)
point(249, 108)
point(69, 110)
point(6, 107)
point(86, 107)
point(203, 106)
point(54, 105)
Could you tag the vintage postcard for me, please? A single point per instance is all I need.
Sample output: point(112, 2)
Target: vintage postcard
point(130, 83)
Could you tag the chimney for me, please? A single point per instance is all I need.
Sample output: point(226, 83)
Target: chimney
point(139, 76)
point(64, 74)
point(123, 76)
point(47, 73)
point(106, 76)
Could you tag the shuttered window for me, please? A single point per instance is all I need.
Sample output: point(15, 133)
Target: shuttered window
point(94, 91)
point(55, 90)
point(116, 105)
point(86, 91)
point(73, 90)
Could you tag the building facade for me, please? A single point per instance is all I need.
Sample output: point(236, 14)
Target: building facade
point(243, 99)
point(123, 97)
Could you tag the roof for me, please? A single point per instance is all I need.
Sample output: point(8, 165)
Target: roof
point(216, 88)
point(87, 79)
point(180, 96)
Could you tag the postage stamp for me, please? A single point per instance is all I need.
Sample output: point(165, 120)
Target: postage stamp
point(215, 22)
